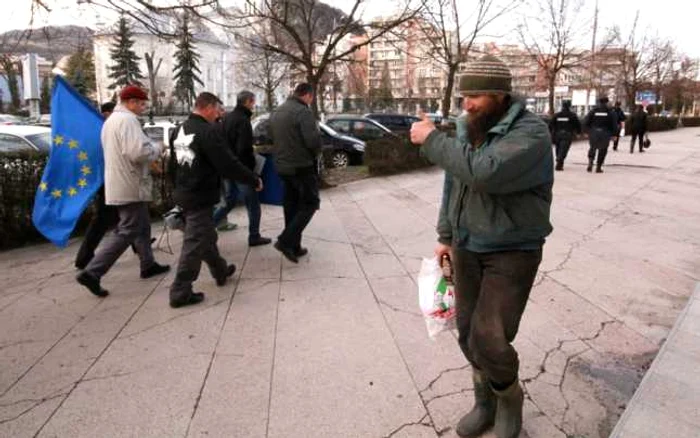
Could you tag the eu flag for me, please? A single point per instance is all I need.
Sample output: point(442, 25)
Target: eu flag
point(75, 170)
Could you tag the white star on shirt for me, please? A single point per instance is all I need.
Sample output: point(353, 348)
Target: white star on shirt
point(182, 143)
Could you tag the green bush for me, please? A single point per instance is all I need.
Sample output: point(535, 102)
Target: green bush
point(690, 122)
point(392, 155)
point(655, 124)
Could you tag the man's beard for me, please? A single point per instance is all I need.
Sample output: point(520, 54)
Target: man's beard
point(479, 123)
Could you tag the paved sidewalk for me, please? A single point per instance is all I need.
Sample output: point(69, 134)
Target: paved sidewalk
point(335, 346)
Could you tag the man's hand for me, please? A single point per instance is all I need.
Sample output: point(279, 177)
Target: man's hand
point(442, 249)
point(421, 130)
point(259, 187)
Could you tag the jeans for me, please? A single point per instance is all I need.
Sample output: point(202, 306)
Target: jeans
point(229, 196)
point(252, 204)
point(491, 291)
point(199, 244)
point(301, 200)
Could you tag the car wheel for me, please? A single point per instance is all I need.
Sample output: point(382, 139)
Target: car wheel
point(340, 159)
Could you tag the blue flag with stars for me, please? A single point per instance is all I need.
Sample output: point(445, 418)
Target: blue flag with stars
point(75, 169)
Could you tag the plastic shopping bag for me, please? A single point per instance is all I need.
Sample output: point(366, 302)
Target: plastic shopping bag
point(436, 297)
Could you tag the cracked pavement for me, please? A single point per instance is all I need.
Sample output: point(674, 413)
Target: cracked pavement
point(336, 345)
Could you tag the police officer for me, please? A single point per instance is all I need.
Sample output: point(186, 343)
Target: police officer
point(620, 115)
point(564, 126)
point(602, 125)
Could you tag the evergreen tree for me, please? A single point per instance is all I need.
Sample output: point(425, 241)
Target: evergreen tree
point(126, 63)
point(186, 70)
point(45, 103)
point(80, 72)
point(382, 96)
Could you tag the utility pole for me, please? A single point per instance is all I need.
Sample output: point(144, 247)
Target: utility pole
point(592, 64)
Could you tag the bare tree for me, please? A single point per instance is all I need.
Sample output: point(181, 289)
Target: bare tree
point(551, 36)
point(634, 63)
point(662, 56)
point(311, 42)
point(152, 68)
point(452, 36)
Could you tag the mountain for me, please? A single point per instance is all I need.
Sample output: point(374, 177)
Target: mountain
point(51, 42)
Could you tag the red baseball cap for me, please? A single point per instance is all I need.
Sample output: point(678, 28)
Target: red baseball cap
point(133, 92)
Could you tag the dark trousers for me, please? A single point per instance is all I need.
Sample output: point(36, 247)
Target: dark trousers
point(491, 291)
point(134, 227)
point(616, 137)
point(252, 205)
point(229, 197)
point(563, 144)
point(104, 218)
point(198, 245)
point(599, 141)
point(640, 136)
point(301, 200)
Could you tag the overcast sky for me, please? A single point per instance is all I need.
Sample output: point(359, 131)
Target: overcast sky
point(672, 19)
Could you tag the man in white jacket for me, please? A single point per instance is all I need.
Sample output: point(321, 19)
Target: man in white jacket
point(128, 153)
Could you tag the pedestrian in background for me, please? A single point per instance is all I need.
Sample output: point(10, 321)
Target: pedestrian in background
point(493, 221)
point(638, 128)
point(620, 119)
point(203, 159)
point(601, 124)
point(564, 127)
point(297, 144)
point(238, 133)
point(128, 154)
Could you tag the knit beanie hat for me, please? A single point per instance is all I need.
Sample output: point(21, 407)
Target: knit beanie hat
point(486, 75)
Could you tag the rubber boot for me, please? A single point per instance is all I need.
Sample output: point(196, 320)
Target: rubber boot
point(482, 415)
point(509, 413)
point(590, 166)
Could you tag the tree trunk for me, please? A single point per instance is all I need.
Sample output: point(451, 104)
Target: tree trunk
point(447, 98)
point(552, 81)
point(313, 80)
point(269, 98)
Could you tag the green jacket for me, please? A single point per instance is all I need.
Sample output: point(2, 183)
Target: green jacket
point(295, 135)
point(496, 197)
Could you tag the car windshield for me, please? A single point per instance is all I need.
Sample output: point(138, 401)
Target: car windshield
point(42, 141)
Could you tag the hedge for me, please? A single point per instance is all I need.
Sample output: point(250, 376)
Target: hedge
point(690, 122)
point(390, 155)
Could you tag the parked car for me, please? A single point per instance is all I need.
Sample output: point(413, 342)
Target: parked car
point(9, 119)
point(359, 127)
point(15, 138)
point(340, 150)
point(395, 122)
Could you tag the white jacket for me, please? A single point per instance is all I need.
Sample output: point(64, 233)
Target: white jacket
point(128, 153)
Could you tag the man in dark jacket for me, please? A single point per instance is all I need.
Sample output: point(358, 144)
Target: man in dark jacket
point(601, 124)
point(203, 158)
point(297, 142)
point(564, 126)
point(638, 128)
point(620, 117)
point(493, 221)
point(238, 133)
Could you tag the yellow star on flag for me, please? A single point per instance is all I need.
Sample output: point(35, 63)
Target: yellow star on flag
point(43, 186)
point(72, 192)
point(82, 183)
point(73, 144)
point(56, 193)
point(86, 170)
point(58, 140)
point(82, 156)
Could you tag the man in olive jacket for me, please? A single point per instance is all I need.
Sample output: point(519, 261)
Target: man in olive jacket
point(203, 158)
point(493, 222)
point(297, 146)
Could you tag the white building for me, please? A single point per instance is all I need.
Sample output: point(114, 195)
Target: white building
point(216, 63)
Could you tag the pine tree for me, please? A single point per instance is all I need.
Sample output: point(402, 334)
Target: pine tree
point(80, 72)
point(126, 63)
point(45, 102)
point(186, 71)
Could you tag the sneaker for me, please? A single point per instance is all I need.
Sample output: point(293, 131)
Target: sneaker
point(227, 226)
point(288, 253)
point(259, 241)
point(92, 283)
point(194, 298)
point(230, 270)
point(154, 269)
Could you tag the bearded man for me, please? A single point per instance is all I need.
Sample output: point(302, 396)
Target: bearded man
point(493, 222)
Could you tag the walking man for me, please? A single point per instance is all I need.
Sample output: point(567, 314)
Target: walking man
point(620, 118)
point(238, 133)
point(297, 143)
point(493, 221)
point(638, 128)
point(601, 124)
point(564, 127)
point(128, 153)
point(203, 158)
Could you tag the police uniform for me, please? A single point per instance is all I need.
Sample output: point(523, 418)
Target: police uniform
point(564, 126)
point(602, 125)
